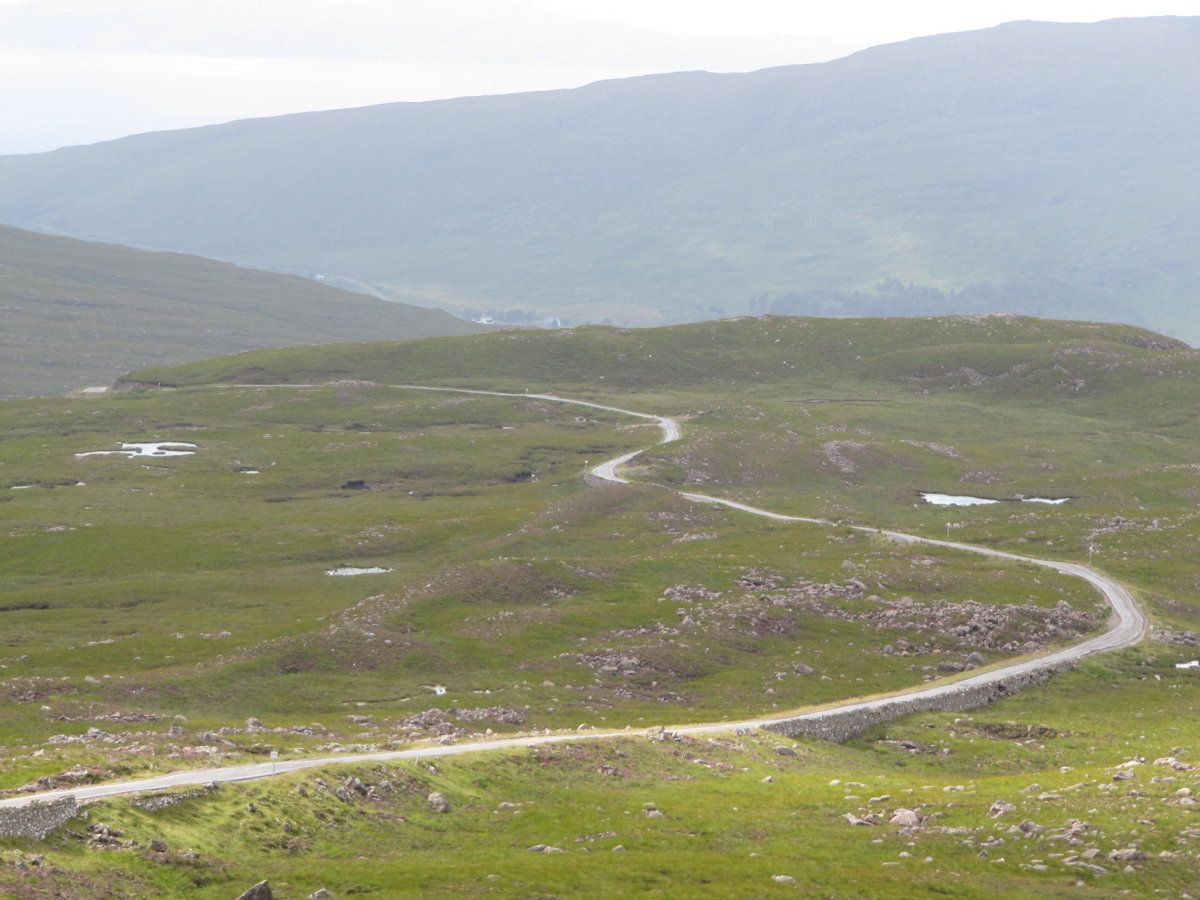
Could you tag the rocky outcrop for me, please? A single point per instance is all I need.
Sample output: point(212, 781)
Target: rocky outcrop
point(260, 891)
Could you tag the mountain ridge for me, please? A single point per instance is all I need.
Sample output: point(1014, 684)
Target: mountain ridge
point(1030, 152)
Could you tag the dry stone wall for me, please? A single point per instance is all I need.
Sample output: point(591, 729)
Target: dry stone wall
point(842, 725)
point(160, 800)
point(37, 820)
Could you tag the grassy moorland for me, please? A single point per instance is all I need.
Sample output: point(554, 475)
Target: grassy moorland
point(851, 419)
point(185, 587)
point(194, 586)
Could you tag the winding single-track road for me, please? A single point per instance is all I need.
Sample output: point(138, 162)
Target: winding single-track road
point(1127, 626)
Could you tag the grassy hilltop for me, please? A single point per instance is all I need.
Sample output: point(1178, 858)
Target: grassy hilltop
point(189, 587)
point(745, 353)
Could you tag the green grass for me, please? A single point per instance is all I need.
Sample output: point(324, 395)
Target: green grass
point(724, 829)
point(184, 587)
point(994, 405)
point(514, 585)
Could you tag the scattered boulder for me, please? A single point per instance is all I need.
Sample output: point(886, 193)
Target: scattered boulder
point(1174, 763)
point(906, 818)
point(1178, 638)
point(1126, 854)
point(260, 891)
point(1000, 808)
point(438, 803)
point(104, 837)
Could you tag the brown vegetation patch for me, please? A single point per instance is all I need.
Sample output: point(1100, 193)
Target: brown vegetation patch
point(503, 582)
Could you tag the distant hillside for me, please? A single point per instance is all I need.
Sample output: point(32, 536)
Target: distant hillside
point(75, 313)
point(1030, 157)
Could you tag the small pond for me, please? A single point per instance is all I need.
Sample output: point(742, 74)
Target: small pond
point(156, 449)
point(966, 500)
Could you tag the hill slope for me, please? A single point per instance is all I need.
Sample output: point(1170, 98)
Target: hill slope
point(1057, 158)
point(76, 313)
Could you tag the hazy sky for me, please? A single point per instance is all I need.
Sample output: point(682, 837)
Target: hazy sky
point(79, 71)
point(868, 21)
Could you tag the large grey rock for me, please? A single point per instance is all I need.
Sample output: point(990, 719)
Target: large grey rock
point(260, 891)
point(1126, 854)
point(905, 818)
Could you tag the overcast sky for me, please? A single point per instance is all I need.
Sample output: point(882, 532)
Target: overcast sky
point(868, 21)
point(79, 71)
